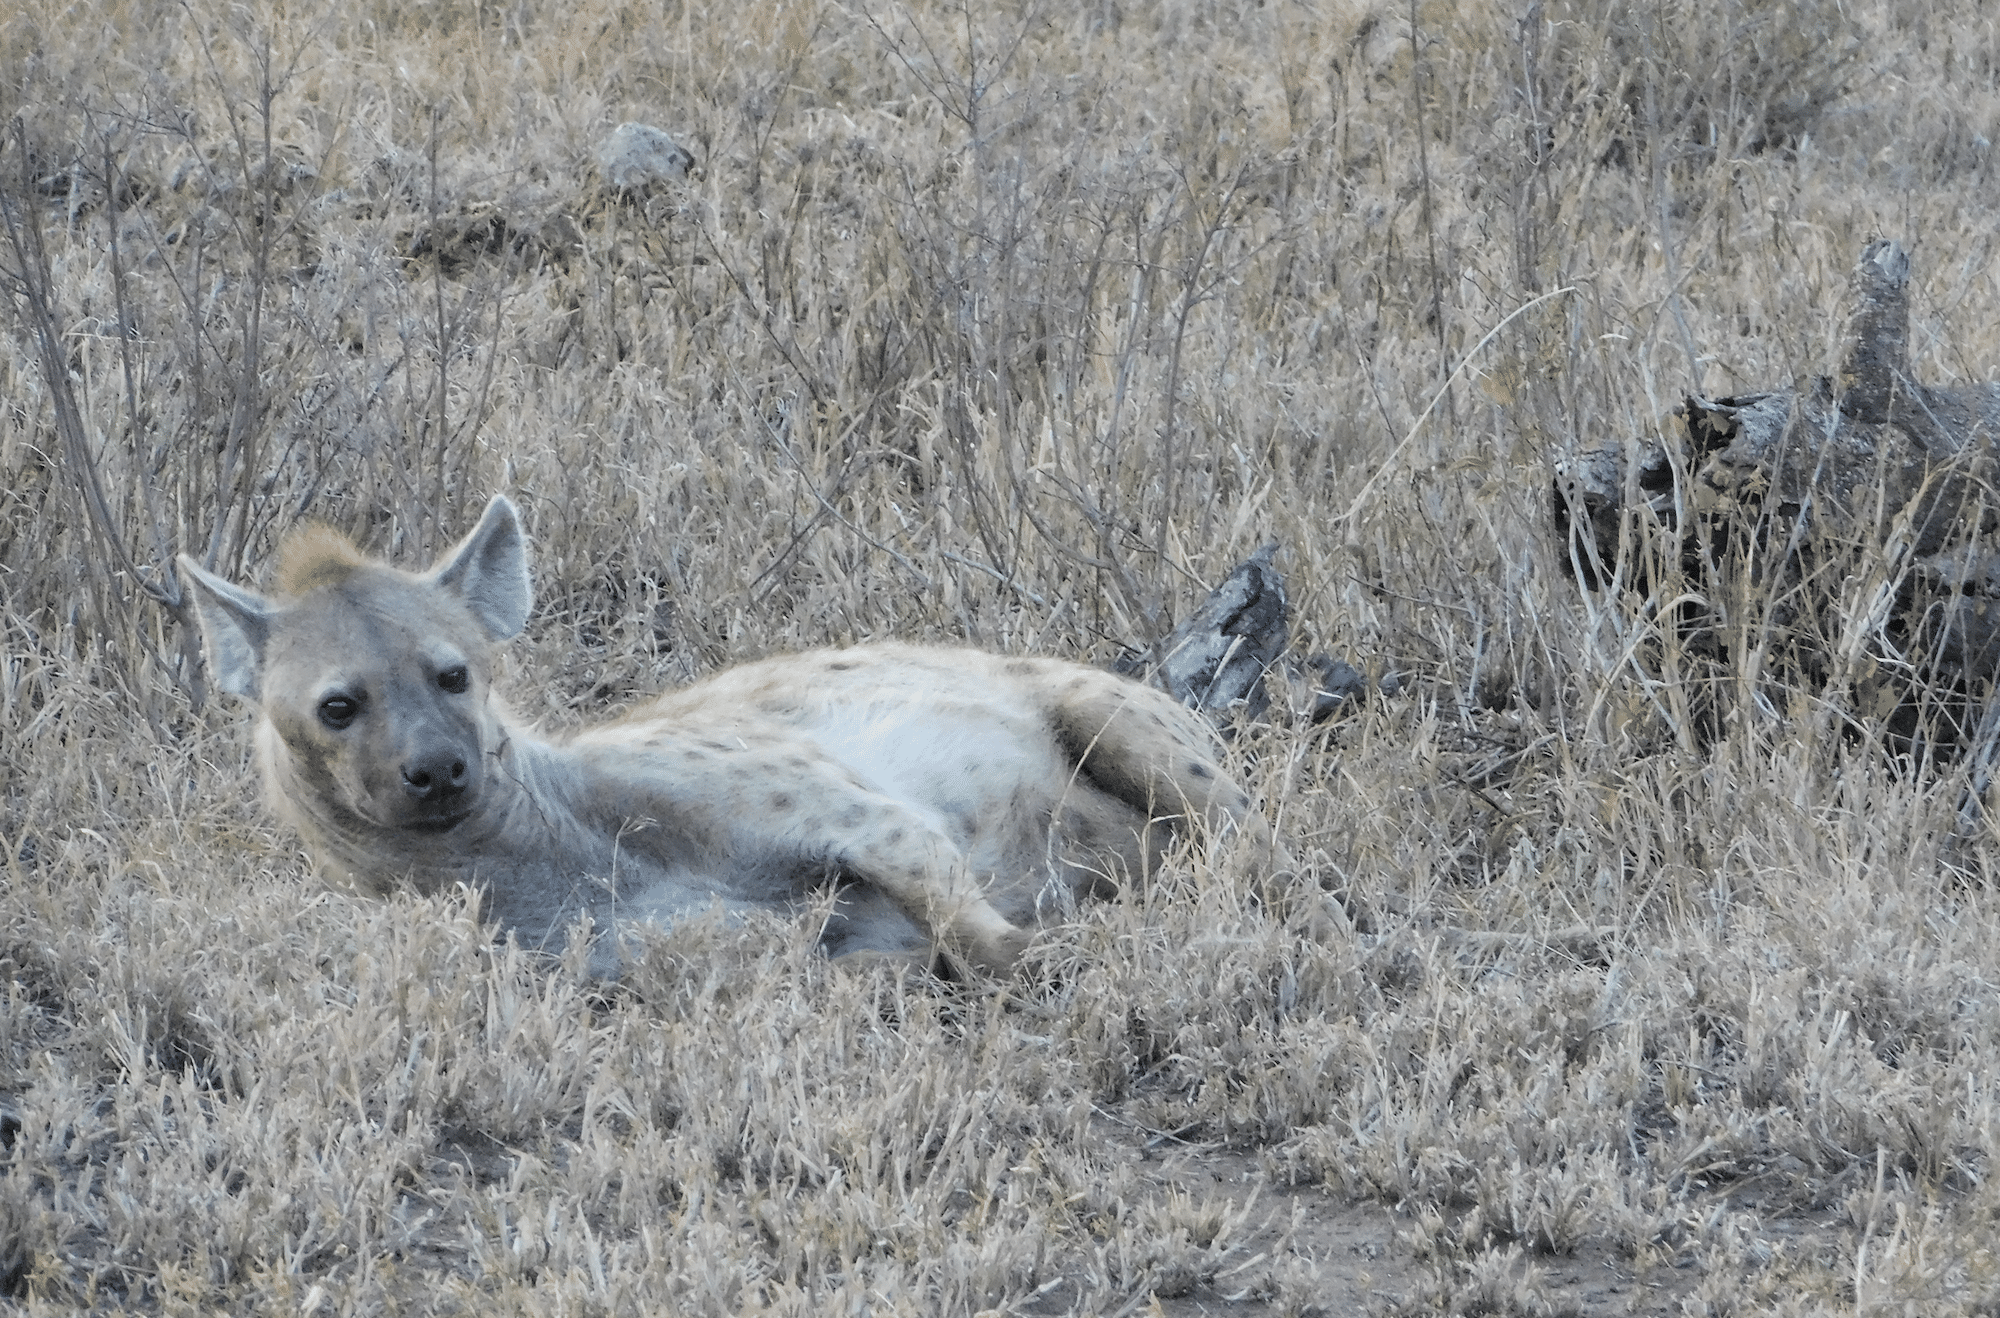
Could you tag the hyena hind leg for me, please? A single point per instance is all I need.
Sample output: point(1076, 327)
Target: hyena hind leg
point(1153, 753)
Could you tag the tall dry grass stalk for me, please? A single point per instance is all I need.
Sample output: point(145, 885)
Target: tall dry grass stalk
point(1017, 324)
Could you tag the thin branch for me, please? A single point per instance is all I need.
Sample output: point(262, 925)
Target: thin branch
point(35, 301)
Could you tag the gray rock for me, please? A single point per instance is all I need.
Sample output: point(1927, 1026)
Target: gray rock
point(636, 158)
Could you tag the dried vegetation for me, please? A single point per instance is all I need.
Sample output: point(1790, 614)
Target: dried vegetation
point(1015, 324)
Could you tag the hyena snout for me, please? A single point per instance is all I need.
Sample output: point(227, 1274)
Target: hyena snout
point(429, 778)
point(436, 777)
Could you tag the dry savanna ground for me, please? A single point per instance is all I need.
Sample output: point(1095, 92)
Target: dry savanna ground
point(1016, 324)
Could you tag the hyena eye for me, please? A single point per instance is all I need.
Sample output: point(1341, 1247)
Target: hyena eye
point(455, 680)
point(338, 711)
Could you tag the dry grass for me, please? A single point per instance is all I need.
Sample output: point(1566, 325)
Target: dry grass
point(1016, 325)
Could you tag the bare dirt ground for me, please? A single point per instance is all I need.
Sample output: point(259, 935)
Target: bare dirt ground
point(1352, 1257)
point(1310, 1247)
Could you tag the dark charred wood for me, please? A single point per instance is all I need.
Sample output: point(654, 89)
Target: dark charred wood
point(1595, 490)
point(1216, 659)
point(1338, 686)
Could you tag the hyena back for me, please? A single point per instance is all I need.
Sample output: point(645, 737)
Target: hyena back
point(953, 797)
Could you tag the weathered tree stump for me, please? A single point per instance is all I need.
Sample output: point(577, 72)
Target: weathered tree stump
point(1867, 454)
point(1865, 480)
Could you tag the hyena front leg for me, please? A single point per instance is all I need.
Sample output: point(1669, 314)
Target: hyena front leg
point(919, 869)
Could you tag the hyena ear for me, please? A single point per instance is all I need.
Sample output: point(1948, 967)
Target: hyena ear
point(489, 571)
point(235, 623)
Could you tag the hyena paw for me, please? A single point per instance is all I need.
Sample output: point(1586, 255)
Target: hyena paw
point(998, 952)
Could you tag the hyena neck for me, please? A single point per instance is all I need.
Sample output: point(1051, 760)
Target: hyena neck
point(524, 824)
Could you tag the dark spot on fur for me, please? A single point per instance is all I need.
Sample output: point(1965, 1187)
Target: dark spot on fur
point(779, 801)
point(852, 817)
point(892, 837)
point(1200, 770)
point(839, 666)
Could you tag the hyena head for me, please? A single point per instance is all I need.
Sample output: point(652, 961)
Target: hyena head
point(372, 682)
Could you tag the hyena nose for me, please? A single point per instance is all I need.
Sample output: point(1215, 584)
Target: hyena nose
point(435, 777)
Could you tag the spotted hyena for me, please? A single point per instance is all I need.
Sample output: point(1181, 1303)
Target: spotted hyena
point(949, 797)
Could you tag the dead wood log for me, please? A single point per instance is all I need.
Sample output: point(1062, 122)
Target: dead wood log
point(1221, 658)
point(1868, 458)
point(1216, 659)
